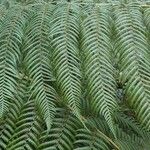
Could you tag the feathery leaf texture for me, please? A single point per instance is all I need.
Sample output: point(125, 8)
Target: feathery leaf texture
point(36, 49)
point(98, 67)
point(132, 50)
point(11, 38)
point(74, 75)
point(65, 30)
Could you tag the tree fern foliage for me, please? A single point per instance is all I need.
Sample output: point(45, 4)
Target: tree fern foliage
point(74, 75)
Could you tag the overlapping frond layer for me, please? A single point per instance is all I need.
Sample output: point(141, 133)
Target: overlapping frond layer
point(89, 141)
point(37, 61)
point(8, 128)
point(10, 39)
point(98, 68)
point(128, 142)
point(65, 32)
point(74, 75)
point(27, 129)
point(9, 125)
point(62, 133)
point(132, 49)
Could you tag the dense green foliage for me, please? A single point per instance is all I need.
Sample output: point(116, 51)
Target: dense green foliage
point(74, 75)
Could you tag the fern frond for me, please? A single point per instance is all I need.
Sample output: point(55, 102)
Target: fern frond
point(10, 39)
point(65, 32)
point(37, 61)
point(128, 141)
point(62, 133)
point(134, 65)
point(101, 127)
point(125, 134)
point(128, 124)
point(61, 87)
point(27, 129)
point(89, 141)
point(97, 63)
point(9, 126)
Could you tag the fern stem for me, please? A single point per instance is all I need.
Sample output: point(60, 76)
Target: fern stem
point(108, 139)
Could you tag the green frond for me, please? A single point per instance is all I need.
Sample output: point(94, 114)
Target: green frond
point(62, 133)
point(65, 32)
point(27, 129)
point(37, 60)
point(89, 141)
point(127, 133)
point(10, 39)
point(128, 124)
point(132, 50)
point(97, 63)
point(99, 126)
point(74, 75)
point(9, 123)
point(128, 141)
